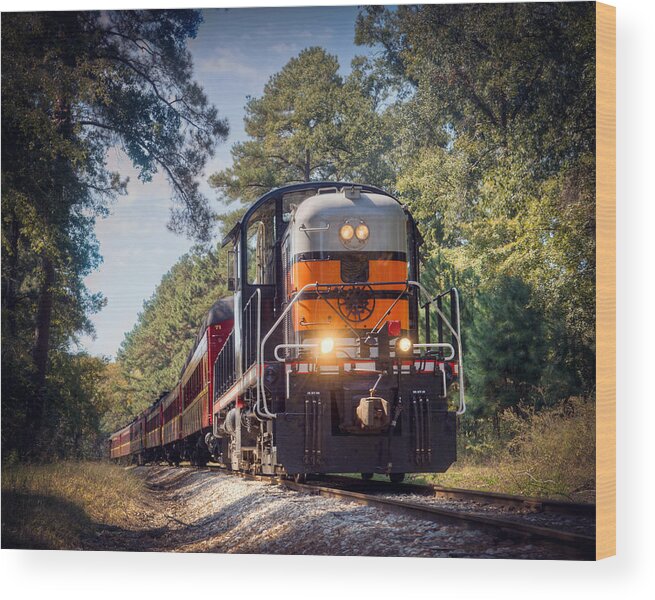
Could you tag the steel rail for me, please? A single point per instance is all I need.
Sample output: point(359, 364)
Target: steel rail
point(533, 503)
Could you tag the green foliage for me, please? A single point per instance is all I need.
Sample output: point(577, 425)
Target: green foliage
point(74, 85)
point(75, 407)
point(154, 352)
point(310, 124)
point(506, 349)
point(494, 128)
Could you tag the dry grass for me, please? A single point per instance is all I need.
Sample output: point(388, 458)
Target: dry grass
point(56, 506)
point(550, 453)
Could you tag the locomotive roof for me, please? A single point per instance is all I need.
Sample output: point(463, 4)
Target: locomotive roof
point(307, 185)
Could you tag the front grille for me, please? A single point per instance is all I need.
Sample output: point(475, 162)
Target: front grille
point(354, 268)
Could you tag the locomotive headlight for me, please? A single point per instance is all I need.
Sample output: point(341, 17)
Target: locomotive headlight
point(404, 346)
point(347, 232)
point(327, 345)
point(362, 232)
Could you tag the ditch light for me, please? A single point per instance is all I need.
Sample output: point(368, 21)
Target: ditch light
point(404, 347)
point(327, 345)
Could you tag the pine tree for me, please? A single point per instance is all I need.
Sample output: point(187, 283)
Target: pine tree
point(506, 349)
point(74, 85)
point(310, 124)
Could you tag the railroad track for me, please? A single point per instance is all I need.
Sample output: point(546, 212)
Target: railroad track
point(575, 545)
point(508, 501)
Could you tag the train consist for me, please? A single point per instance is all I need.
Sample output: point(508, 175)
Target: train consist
point(330, 356)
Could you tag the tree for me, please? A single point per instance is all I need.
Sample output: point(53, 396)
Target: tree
point(310, 124)
point(506, 349)
point(494, 144)
point(503, 74)
point(154, 352)
point(73, 86)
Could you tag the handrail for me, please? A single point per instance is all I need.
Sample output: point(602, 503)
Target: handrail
point(306, 229)
point(261, 405)
point(460, 365)
point(285, 346)
point(439, 345)
point(258, 369)
point(261, 399)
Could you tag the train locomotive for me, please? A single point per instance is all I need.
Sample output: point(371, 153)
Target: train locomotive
point(330, 356)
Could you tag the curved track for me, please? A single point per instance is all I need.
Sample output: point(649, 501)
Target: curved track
point(495, 498)
point(576, 545)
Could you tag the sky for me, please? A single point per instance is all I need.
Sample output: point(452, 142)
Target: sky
point(235, 52)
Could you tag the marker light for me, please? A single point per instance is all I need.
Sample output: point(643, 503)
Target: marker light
point(404, 345)
point(327, 345)
point(362, 232)
point(346, 232)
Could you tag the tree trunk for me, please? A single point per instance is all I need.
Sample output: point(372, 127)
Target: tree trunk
point(307, 165)
point(58, 211)
point(496, 423)
point(41, 347)
point(10, 284)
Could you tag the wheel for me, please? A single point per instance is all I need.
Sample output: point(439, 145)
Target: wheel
point(300, 477)
point(396, 477)
point(367, 476)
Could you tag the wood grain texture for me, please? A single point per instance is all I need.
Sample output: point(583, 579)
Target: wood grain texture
point(606, 280)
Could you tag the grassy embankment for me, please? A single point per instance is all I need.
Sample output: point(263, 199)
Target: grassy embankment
point(550, 453)
point(56, 506)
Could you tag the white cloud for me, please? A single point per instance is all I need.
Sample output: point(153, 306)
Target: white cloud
point(228, 62)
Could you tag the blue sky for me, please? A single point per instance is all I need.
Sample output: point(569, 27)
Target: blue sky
point(234, 53)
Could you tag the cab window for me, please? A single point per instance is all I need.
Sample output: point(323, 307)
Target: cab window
point(260, 246)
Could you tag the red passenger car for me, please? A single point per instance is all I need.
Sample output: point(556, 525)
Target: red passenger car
point(120, 444)
point(176, 424)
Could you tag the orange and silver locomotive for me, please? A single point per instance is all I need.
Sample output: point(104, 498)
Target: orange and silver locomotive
point(329, 372)
point(339, 359)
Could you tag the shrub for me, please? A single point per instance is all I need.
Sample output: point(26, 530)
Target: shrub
point(550, 452)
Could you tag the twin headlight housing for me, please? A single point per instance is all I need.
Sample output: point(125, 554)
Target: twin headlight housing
point(354, 234)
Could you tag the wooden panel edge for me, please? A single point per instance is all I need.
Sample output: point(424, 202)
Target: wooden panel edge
point(606, 280)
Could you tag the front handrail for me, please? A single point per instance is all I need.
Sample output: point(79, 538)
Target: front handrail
point(261, 406)
point(261, 397)
point(457, 335)
point(439, 345)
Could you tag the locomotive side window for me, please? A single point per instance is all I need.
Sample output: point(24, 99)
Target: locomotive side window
point(261, 246)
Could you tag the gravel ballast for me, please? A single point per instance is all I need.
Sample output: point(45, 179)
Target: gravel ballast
point(189, 510)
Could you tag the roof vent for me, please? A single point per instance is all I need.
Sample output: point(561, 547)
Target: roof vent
point(352, 192)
